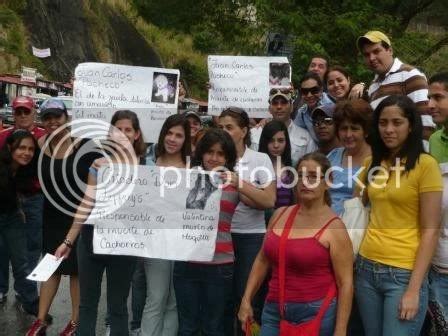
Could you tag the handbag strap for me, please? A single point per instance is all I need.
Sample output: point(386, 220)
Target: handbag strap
point(281, 258)
point(332, 291)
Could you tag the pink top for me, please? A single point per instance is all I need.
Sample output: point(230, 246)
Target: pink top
point(309, 272)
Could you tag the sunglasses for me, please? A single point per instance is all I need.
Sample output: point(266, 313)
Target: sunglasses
point(314, 90)
point(22, 111)
point(324, 121)
point(277, 91)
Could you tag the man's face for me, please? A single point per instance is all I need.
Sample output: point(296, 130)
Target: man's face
point(438, 103)
point(280, 109)
point(377, 57)
point(319, 66)
point(324, 128)
point(24, 118)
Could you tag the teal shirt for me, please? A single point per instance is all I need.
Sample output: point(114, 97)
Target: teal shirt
point(438, 146)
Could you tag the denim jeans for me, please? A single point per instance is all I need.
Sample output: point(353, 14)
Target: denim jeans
point(12, 231)
point(438, 299)
point(32, 206)
point(297, 313)
point(160, 312)
point(119, 270)
point(4, 267)
point(379, 289)
point(138, 294)
point(203, 295)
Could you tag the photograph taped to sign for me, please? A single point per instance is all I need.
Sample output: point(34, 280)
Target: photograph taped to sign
point(244, 81)
point(162, 212)
point(101, 89)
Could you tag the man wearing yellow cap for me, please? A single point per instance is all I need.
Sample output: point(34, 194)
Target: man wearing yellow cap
point(391, 75)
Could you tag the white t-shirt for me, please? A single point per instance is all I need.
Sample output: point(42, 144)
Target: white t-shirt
point(256, 168)
point(441, 256)
point(301, 141)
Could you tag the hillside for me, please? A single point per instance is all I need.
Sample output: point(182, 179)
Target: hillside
point(180, 35)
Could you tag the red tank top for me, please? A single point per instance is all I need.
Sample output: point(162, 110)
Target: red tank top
point(309, 272)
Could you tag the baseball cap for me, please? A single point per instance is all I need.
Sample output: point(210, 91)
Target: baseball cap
point(373, 36)
point(327, 110)
point(22, 101)
point(52, 106)
point(285, 93)
point(193, 114)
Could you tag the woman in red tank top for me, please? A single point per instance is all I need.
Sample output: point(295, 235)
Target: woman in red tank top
point(317, 260)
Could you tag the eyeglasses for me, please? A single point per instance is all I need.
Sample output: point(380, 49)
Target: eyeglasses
point(313, 90)
point(310, 178)
point(324, 121)
point(22, 111)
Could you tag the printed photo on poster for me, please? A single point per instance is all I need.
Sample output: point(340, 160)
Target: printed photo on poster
point(279, 74)
point(164, 88)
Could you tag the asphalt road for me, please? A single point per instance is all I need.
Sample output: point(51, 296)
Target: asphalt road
point(13, 322)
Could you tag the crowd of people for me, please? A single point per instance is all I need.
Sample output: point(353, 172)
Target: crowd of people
point(283, 257)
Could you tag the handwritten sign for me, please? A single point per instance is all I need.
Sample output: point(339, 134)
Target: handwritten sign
point(245, 82)
point(100, 89)
point(163, 213)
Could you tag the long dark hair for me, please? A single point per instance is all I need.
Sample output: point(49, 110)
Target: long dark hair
point(269, 130)
point(24, 174)
point(242, 119)
point(139, 144)
point(412, 147)
point(324, 164)
point(212, 137)
point(170, 122)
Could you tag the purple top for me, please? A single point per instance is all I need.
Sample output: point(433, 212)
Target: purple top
point(285, 195)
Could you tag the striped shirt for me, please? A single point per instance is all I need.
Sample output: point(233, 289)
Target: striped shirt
point(224, 247)
point(402, 79)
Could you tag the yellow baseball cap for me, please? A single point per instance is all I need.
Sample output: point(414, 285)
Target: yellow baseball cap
point(373, 36)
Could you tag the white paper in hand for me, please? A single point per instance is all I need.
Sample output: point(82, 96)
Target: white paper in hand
point(45, 269)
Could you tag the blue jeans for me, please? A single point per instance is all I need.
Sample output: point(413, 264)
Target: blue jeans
point(297, 313)
point(379, 289)
point(138, 295)
point(12, 231)
point(247, 246)
point(119, 270)
point(32, 206)
point(203, 294)
point(438, 299)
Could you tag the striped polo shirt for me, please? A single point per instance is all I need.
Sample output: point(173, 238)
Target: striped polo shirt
point(402, 79)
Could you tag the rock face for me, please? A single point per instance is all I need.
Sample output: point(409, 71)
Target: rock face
point(76, 35)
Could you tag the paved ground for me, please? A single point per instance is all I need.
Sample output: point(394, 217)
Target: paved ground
point(13, 322)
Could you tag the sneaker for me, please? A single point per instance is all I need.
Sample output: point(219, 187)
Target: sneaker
point(70, 329)
point(38, 328)
point(3, 298)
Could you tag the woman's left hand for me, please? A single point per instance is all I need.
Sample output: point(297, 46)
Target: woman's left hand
point(408, 306)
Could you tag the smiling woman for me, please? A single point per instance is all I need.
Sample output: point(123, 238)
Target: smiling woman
point(404, 222)
point(17, 169)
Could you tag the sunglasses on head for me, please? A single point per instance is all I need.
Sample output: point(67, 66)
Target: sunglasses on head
point(22, 111)
point(327, 121)
point(285, 91)
point(234, 110)
point(313, 90)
